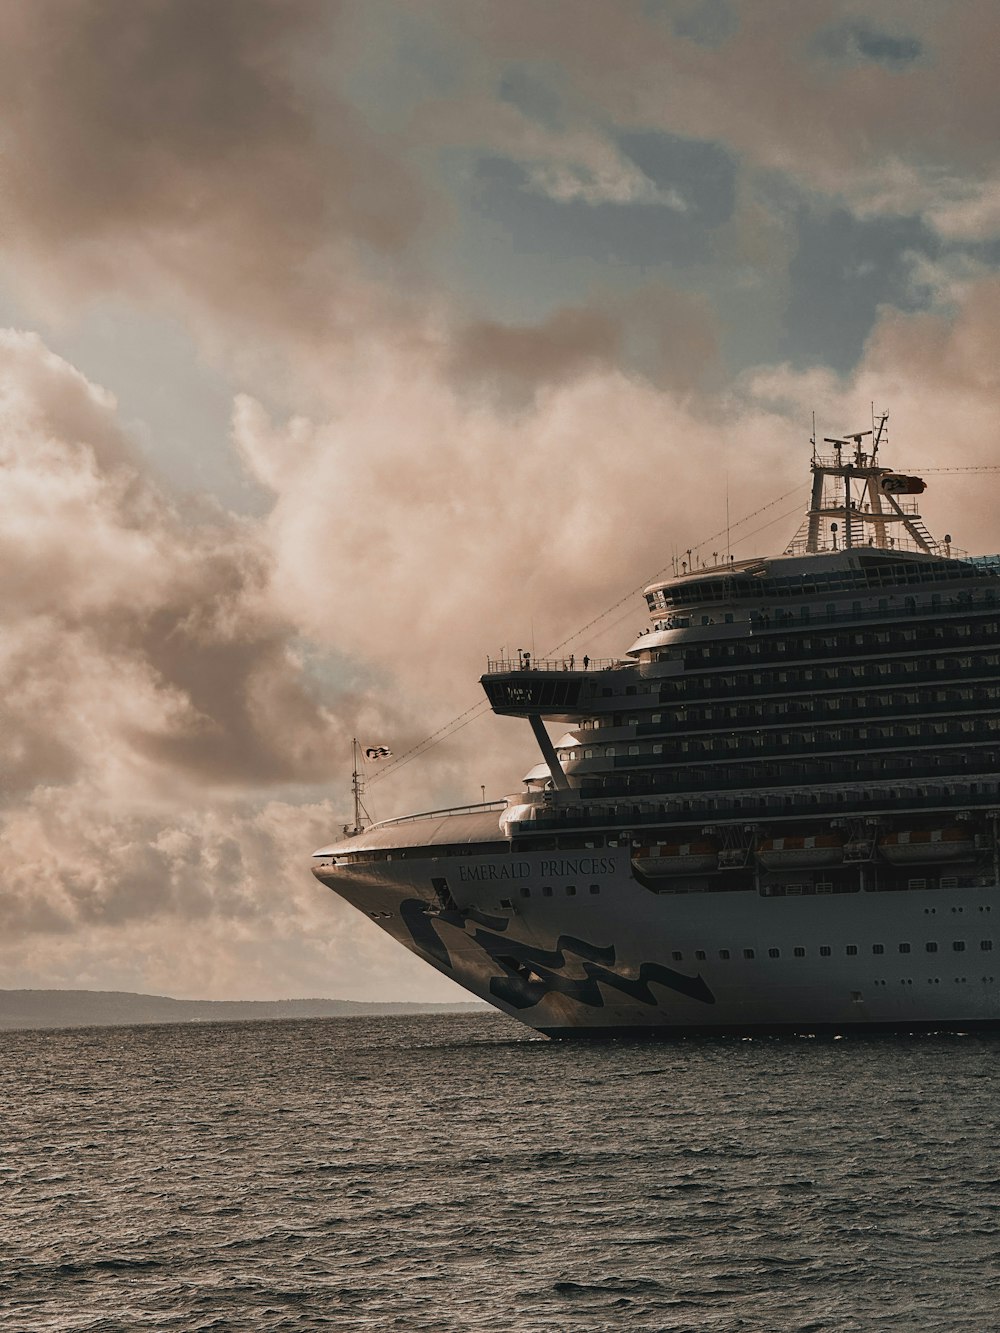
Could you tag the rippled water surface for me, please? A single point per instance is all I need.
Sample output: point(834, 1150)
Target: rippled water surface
point(455, 1173)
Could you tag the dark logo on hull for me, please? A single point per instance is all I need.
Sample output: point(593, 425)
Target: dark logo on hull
point(530, 972)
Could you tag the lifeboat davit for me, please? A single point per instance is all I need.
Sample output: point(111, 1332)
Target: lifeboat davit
point(820, 849)
point(681, 858)
point(932, 844)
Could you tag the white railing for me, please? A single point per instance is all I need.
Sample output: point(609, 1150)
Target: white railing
point(504, 665)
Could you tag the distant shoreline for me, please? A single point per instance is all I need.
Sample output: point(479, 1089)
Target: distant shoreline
point(28, 1009)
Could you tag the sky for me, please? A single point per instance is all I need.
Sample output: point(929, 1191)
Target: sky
point(346, 343)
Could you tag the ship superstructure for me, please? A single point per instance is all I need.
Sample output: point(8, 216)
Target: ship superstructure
point(778, 810)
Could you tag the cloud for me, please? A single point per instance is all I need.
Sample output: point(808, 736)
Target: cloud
point(214, 902)
point(173, 151)
point(935, 373)
point(445, 471)
point(467, 527)
point(140, 637)
point(566, 344)
point(858, 106)
point(860, 40)
point(141, 817)
point(154, 698)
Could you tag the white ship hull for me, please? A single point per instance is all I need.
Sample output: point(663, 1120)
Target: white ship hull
point(623, 959)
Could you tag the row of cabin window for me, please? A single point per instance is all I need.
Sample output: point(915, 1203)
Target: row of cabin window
point(828, 642)
point(958, 946)
point(639, 789)
point(839, 643)
point(747, 710)
point(881, 575)
point(795, 739)
point(689, 598)
point(864, 703)
point(872, 671)
point(882, 768)
point(704, 769)
point(547, 890)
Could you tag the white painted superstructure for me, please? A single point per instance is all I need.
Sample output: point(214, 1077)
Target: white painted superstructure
point(779, 810)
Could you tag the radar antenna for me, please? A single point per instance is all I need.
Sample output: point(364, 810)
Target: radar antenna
point(880, 432)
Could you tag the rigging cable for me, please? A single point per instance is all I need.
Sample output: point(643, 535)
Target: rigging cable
point(458, 723)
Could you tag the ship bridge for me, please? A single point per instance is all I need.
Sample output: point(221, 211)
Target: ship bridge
point(557, 690)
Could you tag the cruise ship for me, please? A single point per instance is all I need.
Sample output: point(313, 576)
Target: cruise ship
point(776, 812)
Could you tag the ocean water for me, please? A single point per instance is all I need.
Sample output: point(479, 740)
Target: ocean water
point(455, 1173)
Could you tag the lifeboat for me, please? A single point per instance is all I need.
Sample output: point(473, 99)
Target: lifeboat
point(516, 814)
point(820, 849)
point(681, 858)
point(937, 844)
point(896, 484)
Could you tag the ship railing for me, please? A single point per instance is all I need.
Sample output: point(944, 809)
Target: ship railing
point(571, 662)
point(478, 808)
point(800, 546)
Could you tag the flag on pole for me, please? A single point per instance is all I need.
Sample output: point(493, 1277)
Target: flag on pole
point(377, 752)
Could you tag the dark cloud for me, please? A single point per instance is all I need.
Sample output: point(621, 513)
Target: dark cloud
point(151, 143)
point(567, 344)
point(859, 40)
point(707, 22)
